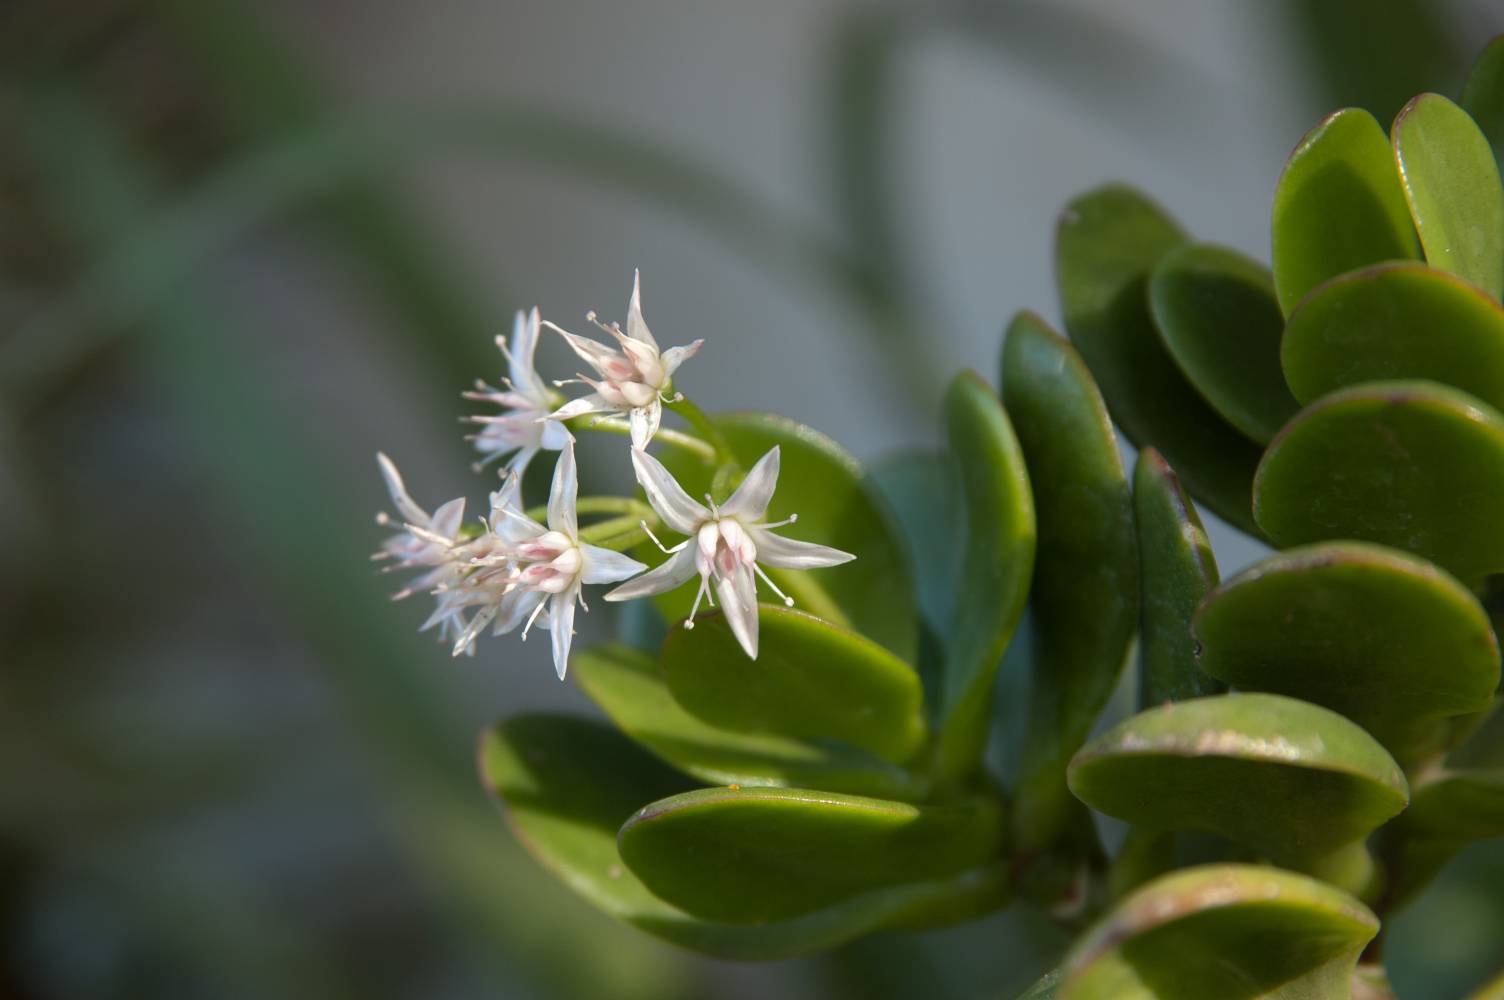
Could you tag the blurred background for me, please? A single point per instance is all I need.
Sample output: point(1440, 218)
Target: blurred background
point(243, 245)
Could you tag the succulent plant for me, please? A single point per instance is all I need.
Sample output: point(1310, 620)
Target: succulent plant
point(1317, 735)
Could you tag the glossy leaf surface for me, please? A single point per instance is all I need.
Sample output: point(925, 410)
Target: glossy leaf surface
point(630, 687)
point(1234, 932)
point(1451, 181)
point(756, 855)
point(996, 566)
point(1412, 465)
point(1083, 600)
point(1339, 206)
point(838, 506)
point(566, 786)
point(1382, 637)
point(1217, 315)
point(1289, 779)
point(1177, 569)
point(811, 680)
point(1396, 321)
point(1107, 244)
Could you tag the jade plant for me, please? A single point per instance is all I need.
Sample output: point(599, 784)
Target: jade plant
point(802, 694)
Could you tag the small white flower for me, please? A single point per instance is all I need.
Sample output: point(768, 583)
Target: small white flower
point(528, 570)
point(523, 430)
point(426, 542)
point(725, 543)
point(632, 380)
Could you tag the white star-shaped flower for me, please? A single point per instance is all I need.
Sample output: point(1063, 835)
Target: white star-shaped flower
point(523, 430)
point(726, 543)
point(632, 380)
point(426, 542)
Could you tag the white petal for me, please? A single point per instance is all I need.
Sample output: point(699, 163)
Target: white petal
point(522, 350)
point(477, 625)
point(607, 566)
point(672, 358)
point(562, 494)
point(561, 625)
point(750, 501)
point(666, 495)
point(411, 512)
point(448, 518)
point(554, 435)
point(738, 597)
point(515, 609)
point(596, 355)
point(790, 553)
point(518, 463)
point(637, 328)
point(658, 580)
point(644, 422)
point(592, 403)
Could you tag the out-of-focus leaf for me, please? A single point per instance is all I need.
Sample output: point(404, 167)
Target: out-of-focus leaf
point(838, 505)
point(1217, 315)
point(1388, 640)
point(1290, 779)
point(1483, 95)
point(1412, 465)
point(566, 785)
point(760, 855)
point(1339, 206)
point(1107, 243)
point(1394, 321)
point(1451, 182)
point(1491, 990)
point(811, 680)
point(1234, 932)
point(1083, 600)
point(1047, 988)
point(1449, 809)
point(1484, 746)
point(995, 569)
point(1177, 569)
point(629, 686)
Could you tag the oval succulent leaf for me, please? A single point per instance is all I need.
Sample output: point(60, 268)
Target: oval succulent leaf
point(1451, 182)
point(995, 569)
point(1083, 600)
point(1389, 640)
point(811, 680)
point(567, 784)
point(1395, 321)
point(1107, 244)
point(1289, 779)
point(1461, 805)
point(1217, 315)
point(629, 686)
point(758, 855)
point(1413, 465)
point(1339, 206)
point(1483, 95)
point(1177, 570)
point(1235, 932)
point(837, 506)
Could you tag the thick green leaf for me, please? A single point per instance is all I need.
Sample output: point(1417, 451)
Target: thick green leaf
point(1107, 243)
point(1339, 206)
point(1451, 181)
point(567, 785)
point(1083, 600)
point(1483, 95)
point(1289, 779)
point(811, 680)
point(1491, 990)
point(629, 686)
point(1483, 746)
point(1387, 639)
point(1218, 317)
point(757, 855)
point(1413, 465)
point(837, 505)
point(1393, 321)
point(1233, 932)
point(1177, 570)
point(995, 569)
point(1466, 805)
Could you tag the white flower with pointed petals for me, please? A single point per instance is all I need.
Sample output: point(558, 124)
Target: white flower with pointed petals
point(631, 380)
point(536, 568)
point(426, 542)
point(725, 544)
point(523, 430)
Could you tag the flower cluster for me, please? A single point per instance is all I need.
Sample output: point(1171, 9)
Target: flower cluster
point(512, 571)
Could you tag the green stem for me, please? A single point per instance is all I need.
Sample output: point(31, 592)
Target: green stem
point(709, 431)
point(676, 439)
